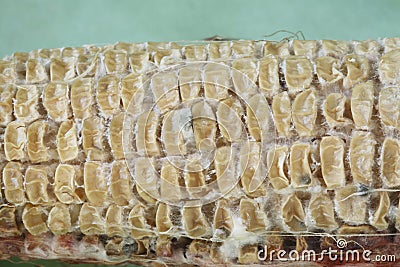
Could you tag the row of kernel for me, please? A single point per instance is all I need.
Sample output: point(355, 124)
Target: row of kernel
point(39, 184)
point(298, 73)
point(298, 212)
point(68, 63)
point(34, 184)
point(361, 155)
point(352, 208)
point(217, 78)
point(23, 102)
point(100, 183)
point(349, 204)
point(119, 221)
point(35, 142)
point(318, 215)
point(281, 167)
point(65, 69)
point(90, 221)
point(302, 112)
point(322, 212)
point(108, 94)
point(297, 165)
point(116, 60)
point(247, 48)
point(39, 71)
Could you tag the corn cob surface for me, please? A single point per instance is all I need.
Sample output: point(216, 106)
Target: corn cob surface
point(201, 153)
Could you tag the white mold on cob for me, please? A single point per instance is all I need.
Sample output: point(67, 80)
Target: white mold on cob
point(199, 154)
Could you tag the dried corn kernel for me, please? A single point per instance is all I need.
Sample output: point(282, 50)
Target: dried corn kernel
point(170, 154)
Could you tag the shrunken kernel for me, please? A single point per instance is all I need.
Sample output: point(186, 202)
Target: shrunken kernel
point(200, 153)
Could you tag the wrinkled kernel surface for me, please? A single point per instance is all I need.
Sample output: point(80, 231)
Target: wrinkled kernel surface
point(198, 153)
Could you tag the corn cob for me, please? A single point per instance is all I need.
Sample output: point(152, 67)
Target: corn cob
point(202, 153)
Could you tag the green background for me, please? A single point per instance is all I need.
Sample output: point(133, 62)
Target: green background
point(26, 25)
